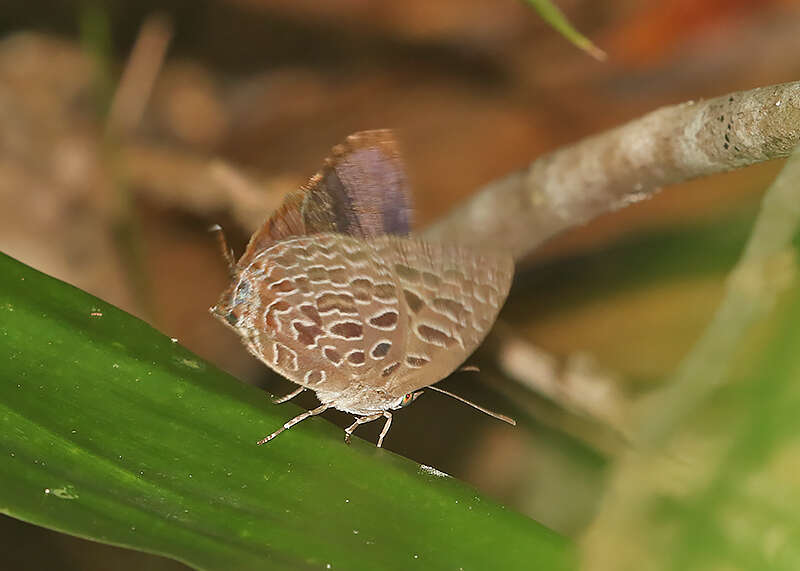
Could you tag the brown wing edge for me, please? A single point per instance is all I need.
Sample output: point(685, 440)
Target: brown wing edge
point(285, 222)
point(322, 205)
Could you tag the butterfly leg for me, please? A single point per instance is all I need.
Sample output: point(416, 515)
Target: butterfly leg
point(288, 397)
point(295, 420)
point(360, 420)
point(386, 426)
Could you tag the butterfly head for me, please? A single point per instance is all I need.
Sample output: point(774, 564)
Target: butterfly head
point(234, 303)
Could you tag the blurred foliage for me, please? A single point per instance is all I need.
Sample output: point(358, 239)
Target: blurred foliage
point(95, 33)
point(711, 482)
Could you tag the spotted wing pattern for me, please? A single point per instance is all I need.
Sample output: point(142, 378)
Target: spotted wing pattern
point(450, 297)
point(398, 313)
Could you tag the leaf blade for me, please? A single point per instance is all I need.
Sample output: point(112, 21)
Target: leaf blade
point(112, 432)
point(551, 14)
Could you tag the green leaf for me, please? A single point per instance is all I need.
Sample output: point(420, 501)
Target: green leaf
point(111, 431)
point(555, 17)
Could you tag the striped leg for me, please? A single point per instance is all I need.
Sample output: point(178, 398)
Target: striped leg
point(386, 426)
point(288, 397)
point(299, 418)
point(359, 421)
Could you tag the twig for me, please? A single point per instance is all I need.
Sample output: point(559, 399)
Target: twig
point(630, 163)
point(597, 435)
point(208, 188)
point(139, 75)
point(575, 384)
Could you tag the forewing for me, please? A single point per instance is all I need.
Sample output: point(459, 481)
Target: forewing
point(321, 310)
point(449, 298)
point(362, 191)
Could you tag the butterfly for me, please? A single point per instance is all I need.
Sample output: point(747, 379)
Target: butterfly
point(332, 294)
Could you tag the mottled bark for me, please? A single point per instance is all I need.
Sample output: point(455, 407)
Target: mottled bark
point(607, 171)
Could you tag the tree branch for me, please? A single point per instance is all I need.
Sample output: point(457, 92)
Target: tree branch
point(630, 163)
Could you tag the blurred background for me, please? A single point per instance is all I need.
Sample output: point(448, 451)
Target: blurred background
point(128, 128)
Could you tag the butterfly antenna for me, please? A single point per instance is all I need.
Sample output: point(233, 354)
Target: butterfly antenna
point(227, 251)
point(496, 415)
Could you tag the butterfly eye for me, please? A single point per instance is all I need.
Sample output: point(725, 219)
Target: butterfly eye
point(242, 292)
point(407, 399)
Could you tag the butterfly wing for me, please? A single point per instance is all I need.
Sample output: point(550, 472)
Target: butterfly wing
point(362, 191)
point(449, 299)
point(394, 314)
point(316, 309)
